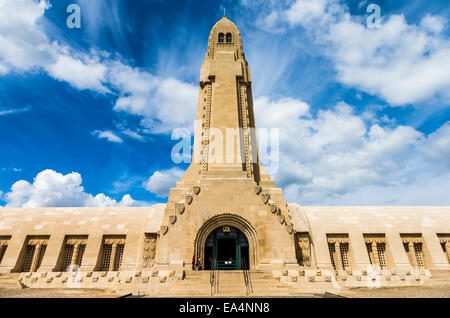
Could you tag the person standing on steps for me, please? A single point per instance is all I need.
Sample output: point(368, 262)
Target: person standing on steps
point(193, 262)
point(199, 264)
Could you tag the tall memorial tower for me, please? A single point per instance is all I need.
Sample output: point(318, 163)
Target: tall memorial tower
point(226, 210)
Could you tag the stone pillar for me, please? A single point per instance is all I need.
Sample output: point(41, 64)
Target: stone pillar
point(395, 245)
point(337, 255)
point(112, 261)
point(412, 255)
point(131, 249)
point(375, 258)
point(13, 258)
point(75, 256)
point(52, 251)
point(37, 252)
point(358, 257)
point(447, 250)
point(91, 253)
point(322, 253)
point(432, 254)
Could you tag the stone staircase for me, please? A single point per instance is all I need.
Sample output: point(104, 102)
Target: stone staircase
point(230, 284)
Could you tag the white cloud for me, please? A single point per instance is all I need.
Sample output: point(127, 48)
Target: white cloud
point(308, 11)
point(400, 62)
point(333, 155)
point(132, 134)
point(437, 146)
point(161, 181)
point(12, 111)
point(24, 45)
point(433, 23)
point(108, 135)
point(163, 103)
point(53, 189)
point(82, 75)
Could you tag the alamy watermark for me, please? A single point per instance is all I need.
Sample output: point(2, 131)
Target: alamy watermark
point(74, 19)
point(374, 19)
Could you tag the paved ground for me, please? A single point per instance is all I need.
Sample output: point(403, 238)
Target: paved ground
point(434, 291)
point(56, 293)
point(439, 288)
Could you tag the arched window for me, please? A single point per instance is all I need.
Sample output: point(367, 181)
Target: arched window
point(221, 36)
point(229, 37)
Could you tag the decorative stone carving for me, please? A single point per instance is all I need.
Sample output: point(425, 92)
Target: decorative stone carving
point(290, 228)
point(179, 207)
point(273, 208)
point(265, 197)
point(258, 189)
point(281, 218)
point(148, 256)
point(173, 219)
point(189, 198)
point(303, 249)
point(196, 189)
point(164, 229)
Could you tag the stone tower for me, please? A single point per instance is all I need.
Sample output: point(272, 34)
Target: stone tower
point(225, 193)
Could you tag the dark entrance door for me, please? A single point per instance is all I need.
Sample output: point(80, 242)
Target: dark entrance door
point(226, 248)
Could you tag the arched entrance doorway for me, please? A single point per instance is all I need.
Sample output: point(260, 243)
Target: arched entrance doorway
point(226, 248)
point(216, 224)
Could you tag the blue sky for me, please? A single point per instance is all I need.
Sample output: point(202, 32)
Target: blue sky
point(86, 114)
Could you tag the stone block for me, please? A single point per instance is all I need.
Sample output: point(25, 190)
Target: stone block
point(276, 273)
point(163, 273)
point(180, 275)
point(49, 280)
point(128, 279)
point(138, 274)
point(111, 279)
point(285, 279)
point(292, 273)
point(310, 278)
point(162, 279)
point(94, 279)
